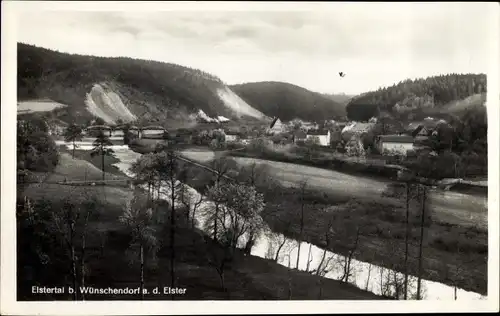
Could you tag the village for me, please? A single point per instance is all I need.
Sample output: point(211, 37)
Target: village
point(361, 140)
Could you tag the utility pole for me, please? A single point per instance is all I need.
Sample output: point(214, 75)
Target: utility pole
point(422, 221)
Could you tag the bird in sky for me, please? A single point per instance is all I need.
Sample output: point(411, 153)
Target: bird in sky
point(341, 74)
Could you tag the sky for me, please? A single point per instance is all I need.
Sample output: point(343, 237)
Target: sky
point(374, 44)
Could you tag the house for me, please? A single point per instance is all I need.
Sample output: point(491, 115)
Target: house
point(355, 128)
point(94, 130)
point(395, 144)
point(354, 146)
point(231, 136)
point(117, 131)
point(152, 132)
point(322, 135)
point(134, 130)
point(425, 127)
point(299, 136)
point(275, 127)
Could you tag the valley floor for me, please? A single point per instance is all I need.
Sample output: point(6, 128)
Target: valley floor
point(248, 278)
point(455, 244)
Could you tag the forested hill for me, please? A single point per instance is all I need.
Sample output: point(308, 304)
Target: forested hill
point(416, 95)
point(288, 101)
point(150, 90)
point(339, 98)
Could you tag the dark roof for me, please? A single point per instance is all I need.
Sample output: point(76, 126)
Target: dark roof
point(417, 130)
point(318, 132)
point(273, 122)
point(396, 138)
point(430, 124)
point(154, 127)
point(300, 134)
point(98, 127)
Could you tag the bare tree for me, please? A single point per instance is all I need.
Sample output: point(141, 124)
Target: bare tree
point(243, 211)
point(170, 172)
point(309, 259)
point(146, 169)
point(370, 266)
point(186, 198)
point(222, 255)
point(138, 218)
point(420, 257)
point(407, 238)
point(221, 167)
point(302, 192)
point(328, 234)
point(66, 222)
point(347, 266)
point(241, 215)
point(196, 205)
point(89, 207)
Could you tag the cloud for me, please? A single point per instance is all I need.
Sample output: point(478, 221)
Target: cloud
point(374, 43)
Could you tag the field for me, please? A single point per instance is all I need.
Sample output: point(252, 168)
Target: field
point(200, 155)
point(38, 106)
point(451, 207)
point(108, 248)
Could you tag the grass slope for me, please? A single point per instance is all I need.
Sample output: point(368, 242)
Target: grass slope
point(288, 101)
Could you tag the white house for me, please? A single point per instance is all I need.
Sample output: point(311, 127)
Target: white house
point(117, 132)
point(276, 127)
point(355, 128)
point(231, 136)
point(94, 130)
point(395, 144)
point(322, 135)
point(152, 132)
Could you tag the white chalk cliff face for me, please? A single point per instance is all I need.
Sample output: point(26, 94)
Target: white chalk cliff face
point(104, 103)
point(107, 105)
point(237, 104)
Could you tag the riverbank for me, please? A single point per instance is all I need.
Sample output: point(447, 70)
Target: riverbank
point(248, 278)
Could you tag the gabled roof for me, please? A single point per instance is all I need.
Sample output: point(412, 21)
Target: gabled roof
point(274, 122)
point(428, 123)
point(396, 138)
point(417, 130)
point(318, 132)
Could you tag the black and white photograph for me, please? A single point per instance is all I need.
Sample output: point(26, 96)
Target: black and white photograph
point(180, 152)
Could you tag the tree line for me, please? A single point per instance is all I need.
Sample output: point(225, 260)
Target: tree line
point(413, 94)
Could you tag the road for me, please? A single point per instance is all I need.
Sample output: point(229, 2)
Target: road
point(450, 207)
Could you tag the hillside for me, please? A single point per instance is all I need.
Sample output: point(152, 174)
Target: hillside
point(288, 101)
point(429, 95)
point(124, 89)
point(339, 98)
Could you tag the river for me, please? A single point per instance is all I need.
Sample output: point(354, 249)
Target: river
point(365, 275)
